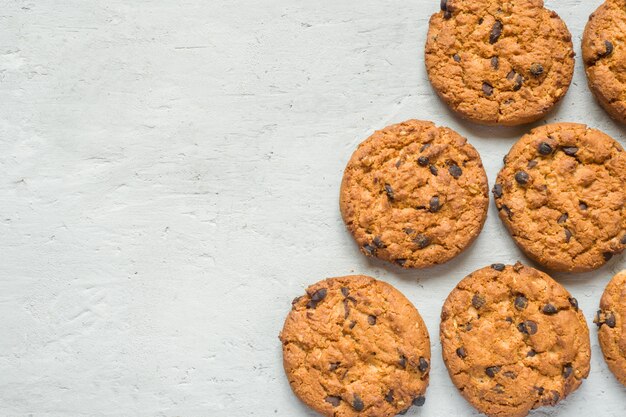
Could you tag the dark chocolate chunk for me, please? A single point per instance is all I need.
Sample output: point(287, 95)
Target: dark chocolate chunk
point(521, 302)
point(422, 241)
point(423, 161)
point(573, 302)
point(498, 267)
point(623, 241)
point(455, 171)
point(478, 301)
point(607, 256)
point(419, 401)
point(497, 190)
point(528, 327)
point(434, 204)
point(487, 89)
point(423, 365)
point(608, 51)
point(563, 218)
point(389, 192)
point(549, 309)
point(609, 320)
point(389, 397)
point(378, 242)
point(433, 170)
point(456, 57)
point(357, 403)
point(521, 177)
point(570, 150)
point(544, 148)
point(461, 353)
point(519, 81)
point(492, 371)
point(568, 235)
point(495, 62)
point(567, 370)
point(444, 5)
point(317, 298)
point(536, 69)
point(333, 400)
point(496, 31)
point(371, 320)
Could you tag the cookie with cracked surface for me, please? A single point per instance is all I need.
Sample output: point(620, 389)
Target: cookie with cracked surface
point(562, 196)
point(604, 55)
point(355, 346)
point(414, 194)
point(499, 63)
point(513, 340)
point(611, 320)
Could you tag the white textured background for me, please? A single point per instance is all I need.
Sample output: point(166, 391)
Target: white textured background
point(169, 182)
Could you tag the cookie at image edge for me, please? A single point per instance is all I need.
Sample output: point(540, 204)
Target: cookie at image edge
point(513, 339)
point(414, 194)
point(562, 196)
point(604, 55)
point(356, 346)
point(611, 320)
point(502, 63)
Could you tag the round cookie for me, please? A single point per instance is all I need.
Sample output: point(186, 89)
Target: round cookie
point(414, 194)
point(355, 346)
point(604, 55)
point(611, 320)
point(499, 63)
point(513, 340)
point(562, 195)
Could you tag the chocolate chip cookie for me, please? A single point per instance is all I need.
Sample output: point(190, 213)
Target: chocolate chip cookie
point(604, 54)
point(513, 340)
point(562, 195)
point(503, 63)
point(611, 320)
point(414, 194)
point(355, 346)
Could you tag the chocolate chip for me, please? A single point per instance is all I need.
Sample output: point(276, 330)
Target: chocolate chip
point(419, 401)
point(444, 5)
point(408, 231)
point(423, 365)
point(563, 218)
point(521, 177)
point(478, 301)
point(492, 371)
point(434, 204)
point(421, 241)
point(555, 396)
point(389, 397)
point(508, 320)
point(423, 161)
point(536, 69)
point(511, 75)
point(446, 15)
point(357, 403)
point(345, 291)
point(507, 210)
point(371, 320)
point(573, 302)
point(455, 171)
point(518, 266)
point(532, 164)
point(510, 375)
point(609, 49)
point(609, 320)
point(378, 242)
point(607, 256)
point(333, 366)
point(402, 362)
point(496, 31)
point(389, 192)
point(468, 327)
point(531, 353)
point(369, 249)
point(456, 57)
point(497, 191)
point(528, 327)
point(352, 324)
point(544, 148)
point(400, 262)
point(521, 302)
point(346, 308)
point(424, 147)
point(567, 370)
point(499, 388)
point(433, 170)
point(317, 298)
point(570, 150)
point(623, 241)
point(487, 89)
point(495, 62)
point(332, 400)
point(549, 309)
point(582, 205)
point(568, 235)
point(460, 352)
point(539, 390)
point(519, 81)
point(498, 267)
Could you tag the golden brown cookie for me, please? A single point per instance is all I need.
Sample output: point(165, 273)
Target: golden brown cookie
point(604, 54)
point(355, 346)
point(414, 194)
point(495, 62)
point(611, 319)
point(513, 340)
point(562, 195)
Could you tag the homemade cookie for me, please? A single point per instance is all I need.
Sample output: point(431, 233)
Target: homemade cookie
point(513, 340)
point(611, 319)
point(604, 54)
point(562, 195)
point(495, 62)
point(414, 194)
point(355, 346)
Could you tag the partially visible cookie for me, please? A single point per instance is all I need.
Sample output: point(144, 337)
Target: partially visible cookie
point(495, 62)
point(611, 320)
point(414, 194)
point(604, 54)
point(562, 195)
point(513, 340)
point(355, 346)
